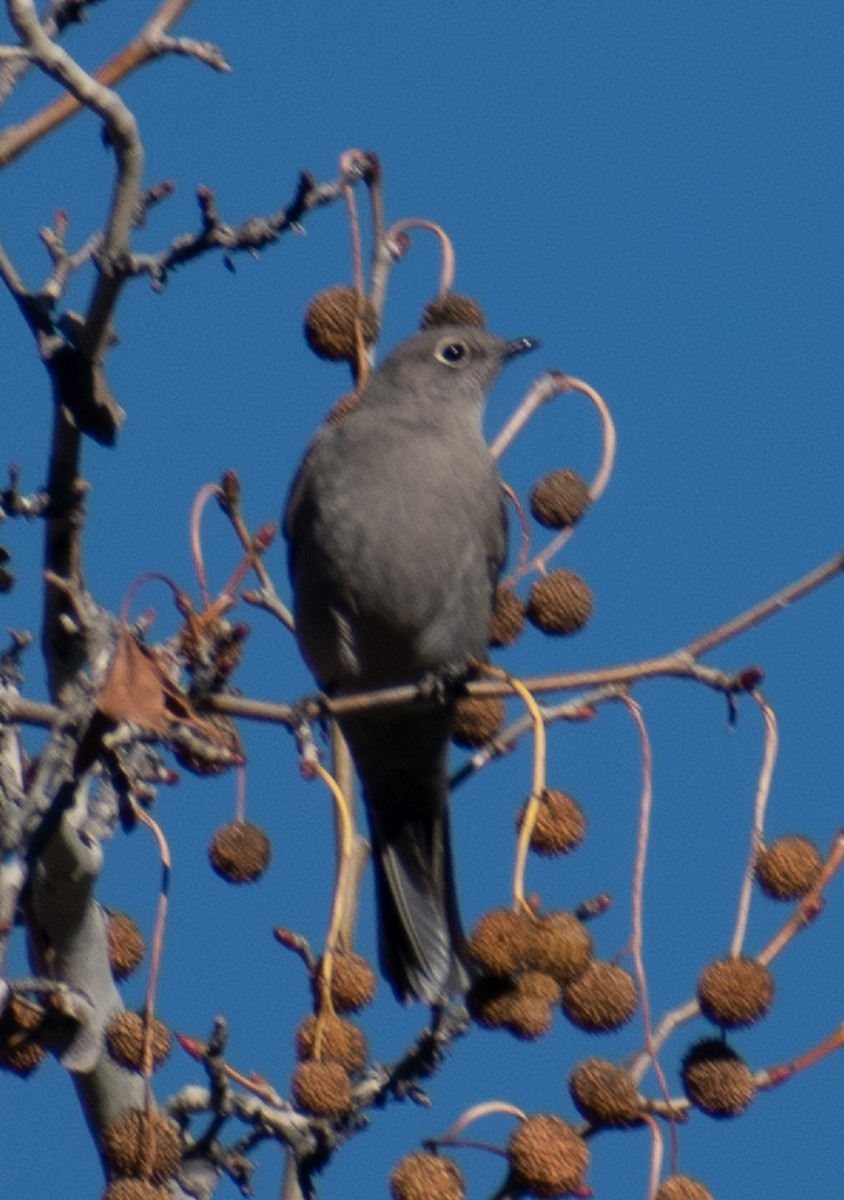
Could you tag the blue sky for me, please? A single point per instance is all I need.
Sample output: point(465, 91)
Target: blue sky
point(655, 191)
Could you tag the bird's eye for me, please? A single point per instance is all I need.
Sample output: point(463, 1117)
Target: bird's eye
point(452, 353)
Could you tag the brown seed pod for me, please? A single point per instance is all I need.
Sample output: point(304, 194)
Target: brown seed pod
point(603, 998)
point(353, 982)
point(517, 1005)
point(605, 1094)
point(716, 1079)
point(547, 1158)
point(240, 852)
point(789, 867)
point(422, 1176)
point(682, 1187)
point(135, 1189)
point(20, 1047)
point(321, 1088)
point(476, 720)
point(330, 321)
point(530, 1018)
point(734, 992)
point(135, 1143)
point(124, 1039)
point(453, 309)
point(490, 1001)
point(539, 986)
point(560, 946)
point(340, 1041)
point(560, 603)
point(126, 946)
point(560, 824)
point(500, 942)
point(508, 616)
point(559, 498)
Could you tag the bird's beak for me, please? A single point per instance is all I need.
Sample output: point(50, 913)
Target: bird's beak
point(521, 346)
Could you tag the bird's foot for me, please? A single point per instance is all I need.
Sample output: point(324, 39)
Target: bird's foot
point(445, 683)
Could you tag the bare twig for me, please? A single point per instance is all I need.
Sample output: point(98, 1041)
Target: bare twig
point(123, 135)
point(15, 61)
point(250, 236)
point(150, 43)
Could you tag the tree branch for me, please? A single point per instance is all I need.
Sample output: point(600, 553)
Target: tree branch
point(151, 43)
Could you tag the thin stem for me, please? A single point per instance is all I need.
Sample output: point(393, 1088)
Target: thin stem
point(609, 442)
point(763, 792)
point(197, 509)
point(638, 894)
point(346, 835)
point(448, 262)
point(784, 1072)
point(157, 946)
point(767, 608)
point(657, 1153)
point(484, 1109)
point(348, 162)
point(543, 389)
point(537, 787)
point(395, 244)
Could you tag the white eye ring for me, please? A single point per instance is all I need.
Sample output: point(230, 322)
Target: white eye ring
point(453, 353)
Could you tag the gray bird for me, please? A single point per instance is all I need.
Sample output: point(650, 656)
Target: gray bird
point(397, 533)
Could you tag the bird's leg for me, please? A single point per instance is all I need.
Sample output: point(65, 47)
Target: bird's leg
point(446, 683)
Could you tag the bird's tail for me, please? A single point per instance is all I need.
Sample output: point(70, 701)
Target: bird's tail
point(401, 756)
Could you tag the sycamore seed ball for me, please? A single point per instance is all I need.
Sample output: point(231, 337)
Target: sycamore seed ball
point(560, 824)
point(560, 603)
point(601, 999)
point(453, 309)
point(496, 1003)
point(560, 946)
point(547, 1158)
point(682, 1187)
point(322, 1089)
point(734, 992)
point(500, 942)
point(605, 1094)
point(508, 616)
point(539, 986)
point(126, 947)
point(476, 720)
point(330, 321)
point(339, 1041)
point(490, 1001)
point(716, 1079)
point(789, 867)
point(423, 1176)
point(125, 1040)
point(353, 982)
point(135, 1143)
point(530, 1018)
point(240, 852)
point(559, 498)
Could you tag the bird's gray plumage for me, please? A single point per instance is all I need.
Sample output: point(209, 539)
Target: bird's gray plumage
point(397, 533)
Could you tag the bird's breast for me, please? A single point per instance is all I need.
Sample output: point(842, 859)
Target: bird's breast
point(394, 574)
